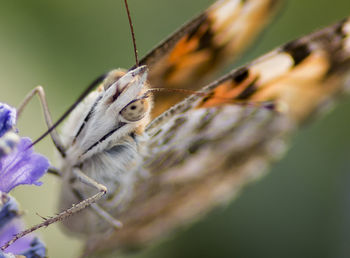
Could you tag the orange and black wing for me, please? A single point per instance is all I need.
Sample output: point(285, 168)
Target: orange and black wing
point(205, 149)
point(217, 36)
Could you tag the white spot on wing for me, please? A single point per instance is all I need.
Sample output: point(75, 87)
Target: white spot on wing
point(272, 67)
point(225, 10)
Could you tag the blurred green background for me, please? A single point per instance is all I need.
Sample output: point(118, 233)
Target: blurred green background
point(300, 209)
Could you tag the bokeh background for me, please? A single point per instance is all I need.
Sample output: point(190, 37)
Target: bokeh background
point(300, 209)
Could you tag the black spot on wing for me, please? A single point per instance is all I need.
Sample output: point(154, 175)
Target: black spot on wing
point(208, 97)
point(193, 32)
point(206, 40)
point(248, 91)
point(205, 34)
point(298, 51)
point(240, 75)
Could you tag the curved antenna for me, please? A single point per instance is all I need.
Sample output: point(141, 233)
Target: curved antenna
point(132, 33)
point(263, 104)
point(175, 90)
point(72, 107)
point(91, 86)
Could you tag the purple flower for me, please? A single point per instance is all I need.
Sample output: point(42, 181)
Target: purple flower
point(29, 246)
point(22, 166)
point(8, 143)
point(19, 164)
point(8, 209)
point(8, 138)
point(7, 118)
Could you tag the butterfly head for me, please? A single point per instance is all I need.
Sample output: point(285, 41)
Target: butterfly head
point(125, 94)
point(120, 107)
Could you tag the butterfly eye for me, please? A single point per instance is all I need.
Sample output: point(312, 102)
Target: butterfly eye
point(135, 110)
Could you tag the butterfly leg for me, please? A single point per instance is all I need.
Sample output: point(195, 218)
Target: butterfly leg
point(59, 217)
point(39, 90)
point(102, 190)
point(96, 208)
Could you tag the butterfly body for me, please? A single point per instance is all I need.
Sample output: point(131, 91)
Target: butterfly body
point(164, 171)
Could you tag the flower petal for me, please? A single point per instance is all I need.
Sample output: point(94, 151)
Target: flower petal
point(10, 224)
point(29, 246)
point(7, 118)
point(7, 233)
point(37, 249)
point(22, 166)
point(8, 209)
point(8, 143)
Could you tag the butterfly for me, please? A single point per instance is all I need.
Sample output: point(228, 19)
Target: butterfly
point(267, 98)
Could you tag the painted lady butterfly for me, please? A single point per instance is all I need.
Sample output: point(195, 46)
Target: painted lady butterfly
point(200, 151)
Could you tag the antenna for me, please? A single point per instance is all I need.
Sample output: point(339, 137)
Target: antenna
point(181, 91)
point(132, 33)
point(90, 87)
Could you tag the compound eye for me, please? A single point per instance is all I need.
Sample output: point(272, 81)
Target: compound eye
point(135, 110)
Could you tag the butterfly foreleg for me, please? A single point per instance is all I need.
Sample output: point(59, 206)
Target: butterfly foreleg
point(84, 203)
point(66, 213)
point(39, 90)
point(95, 207)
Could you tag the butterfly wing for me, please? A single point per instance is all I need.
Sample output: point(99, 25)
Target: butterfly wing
point(189, 56)
point(205, 149)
